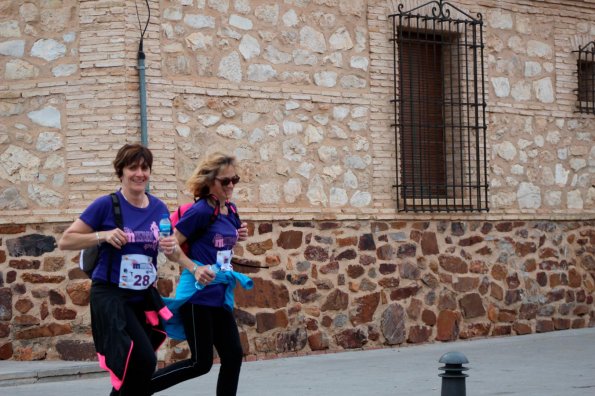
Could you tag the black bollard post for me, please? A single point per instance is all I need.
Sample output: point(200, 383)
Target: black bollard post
point(453, 379)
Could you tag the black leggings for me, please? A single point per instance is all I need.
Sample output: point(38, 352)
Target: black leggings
point(141, 365)
point(206, 327)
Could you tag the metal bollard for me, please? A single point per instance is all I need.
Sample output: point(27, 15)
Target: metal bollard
point(453, 379)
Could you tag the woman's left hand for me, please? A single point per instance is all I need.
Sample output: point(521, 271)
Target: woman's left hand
point(169, 246)
point(243, 232)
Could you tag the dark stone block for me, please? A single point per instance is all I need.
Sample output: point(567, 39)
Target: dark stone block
point(19, 288)
point(512, 296)
point(486, 228)
point(23, 305)
point(290, 239)
point(428, 317)
point(307, 295)
point(5, 304)
point(57, 298)
point(502, 330)
point(330, 268)
point(528, 311)
point(6, 351)
point(266, 321)
point(318, 341)
point(349, 241)
point(51, 330)
point(407, 250)
point(348, 254)
point(31, 245)
point(297, 279)
point(453, 264)
point(404, 292)
point(12, 228)
point(544, 326)
point(355, 271)
point(386, 269)
point(364, 308)
point(366, 242)
point(458, 229)
point(513, 281)
point(259, 248)
point(62, 313)
point(472, 306)
point(385, 252)
point(448, 326)
point(429, 244)
point(418, 334)
point(325, 240)
point(265, 228)
point(316, 253)
point(351, 338)
point(392, 324)
point(38, 278)
point(24, 264)
point(4, 330)
point(337, 300)
point(244, 317)
point(389, 283)
point(408, 270)
point(303, 224)
point(266, 294)
point(292, 340)
point(329, 225)
point(367, 260)
point(71, 350)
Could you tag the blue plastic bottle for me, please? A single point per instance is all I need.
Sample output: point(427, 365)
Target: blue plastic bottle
point(164, 226)
point(215, 268)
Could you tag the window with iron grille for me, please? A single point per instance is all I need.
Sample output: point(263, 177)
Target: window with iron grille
point(439, 106)
point(586, 78)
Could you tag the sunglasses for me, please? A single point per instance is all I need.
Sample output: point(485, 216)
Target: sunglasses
point(226, 180)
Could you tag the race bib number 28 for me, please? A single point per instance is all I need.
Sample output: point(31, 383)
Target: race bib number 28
point(137, 272)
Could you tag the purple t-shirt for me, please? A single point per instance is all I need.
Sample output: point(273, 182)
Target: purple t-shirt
point(222, 234)
point(140, 226)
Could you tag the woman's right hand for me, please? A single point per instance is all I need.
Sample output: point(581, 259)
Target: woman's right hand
point(203, 274)
point(116, 237)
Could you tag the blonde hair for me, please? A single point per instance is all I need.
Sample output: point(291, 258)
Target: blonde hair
point(206, 172)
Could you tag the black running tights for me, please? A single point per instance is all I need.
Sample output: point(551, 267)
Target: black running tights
point(206, 327)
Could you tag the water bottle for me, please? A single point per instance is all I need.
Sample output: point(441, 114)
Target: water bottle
point(215, 268)
point(164, 227)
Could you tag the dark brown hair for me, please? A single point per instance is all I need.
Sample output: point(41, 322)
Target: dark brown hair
point(130, 154)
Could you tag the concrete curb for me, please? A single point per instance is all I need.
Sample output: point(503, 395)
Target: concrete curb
point(29, 373)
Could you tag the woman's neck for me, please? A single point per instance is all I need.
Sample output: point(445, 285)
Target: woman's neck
point(215, 199)
point(135, 199)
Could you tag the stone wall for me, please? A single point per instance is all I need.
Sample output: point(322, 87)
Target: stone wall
point(333, 285)
point(299, 91)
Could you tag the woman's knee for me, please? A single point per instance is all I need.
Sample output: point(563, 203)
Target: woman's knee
point(202, 366)
point(232, 355)
point(143, 361)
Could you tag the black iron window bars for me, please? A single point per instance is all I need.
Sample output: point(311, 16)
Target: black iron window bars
point(439, 110)
point(586, 78)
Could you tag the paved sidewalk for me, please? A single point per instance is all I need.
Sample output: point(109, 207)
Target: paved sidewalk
point(551, 364)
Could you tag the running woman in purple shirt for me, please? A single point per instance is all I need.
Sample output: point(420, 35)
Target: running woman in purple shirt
point(124, 302)
point(206, 320)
